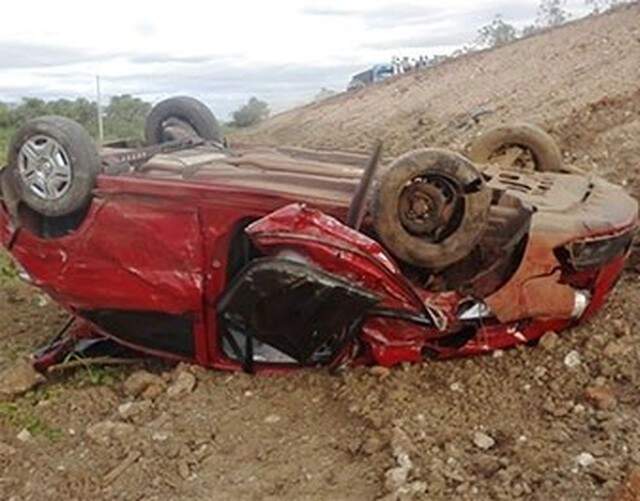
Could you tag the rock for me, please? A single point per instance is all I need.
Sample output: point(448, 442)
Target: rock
point(456, 387)
point(380, 372)
point(572, 360)
point(18, 379)
point(152, 392)
point(629, 490)
point(621, 328)
point(483, 441)
point(487, 465)
point(272, 419)
point(615, 349)
point(585, 459)
point(6, 450)
point(602, 397)
point(184, 384)
point(130, 410)
point(106, 432)
point(140, 381)
point(24, 435)
point(395, 478)
point(414, 490)
point(160, 436)
point(549, 340)
point(372, 445)
point(183, 469)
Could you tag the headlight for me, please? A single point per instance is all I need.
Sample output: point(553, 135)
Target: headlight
point(595, 252)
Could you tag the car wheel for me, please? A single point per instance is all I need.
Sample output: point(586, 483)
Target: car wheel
point(431, 208)
point(53, 163)
point(519, 146)
point(177, 117)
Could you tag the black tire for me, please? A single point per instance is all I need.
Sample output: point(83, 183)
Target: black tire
point(463, 227)
point(193, 113)
point(546, 154)
point(80, 153)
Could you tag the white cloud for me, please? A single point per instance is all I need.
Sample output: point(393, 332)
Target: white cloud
point(282, 50)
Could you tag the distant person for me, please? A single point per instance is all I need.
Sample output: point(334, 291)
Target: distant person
point(395, 63)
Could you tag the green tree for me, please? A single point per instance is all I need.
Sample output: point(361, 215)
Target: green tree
point(125, 116)
point(251, 113)
point(5, 116)
point(496, 33)
point(552, 13)
point(598, 6)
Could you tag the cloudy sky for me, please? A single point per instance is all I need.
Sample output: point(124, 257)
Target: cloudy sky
point(282, 51)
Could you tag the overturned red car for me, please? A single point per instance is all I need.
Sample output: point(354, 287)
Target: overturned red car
point(264, 258)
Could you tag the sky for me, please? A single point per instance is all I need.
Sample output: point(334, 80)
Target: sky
point(282, 51)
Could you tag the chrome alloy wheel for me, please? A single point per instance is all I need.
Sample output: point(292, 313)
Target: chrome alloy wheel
point(45, 167)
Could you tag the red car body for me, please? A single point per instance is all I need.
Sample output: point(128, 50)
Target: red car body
point(157, 250)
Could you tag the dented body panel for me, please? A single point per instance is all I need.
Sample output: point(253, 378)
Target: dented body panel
point(161, 247)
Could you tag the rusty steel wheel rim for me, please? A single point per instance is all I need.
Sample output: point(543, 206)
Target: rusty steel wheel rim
point(427, 206)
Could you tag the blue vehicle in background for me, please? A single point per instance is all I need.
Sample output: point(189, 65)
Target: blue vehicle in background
point(375, 74)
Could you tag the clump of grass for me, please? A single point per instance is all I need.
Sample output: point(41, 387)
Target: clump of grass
point(8, 271)
point(94, 374)
point(20, 415)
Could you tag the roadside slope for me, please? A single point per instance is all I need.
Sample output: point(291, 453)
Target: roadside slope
point(546, 79)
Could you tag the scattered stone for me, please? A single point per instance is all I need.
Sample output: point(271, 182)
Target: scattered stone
point(483, 441)
point(455, 387)
point(160, 436)
point(621, 328)
point(498, 354)
point(487, 465)
point(140, 381)
point(18, 379)
point(272, 419)
point(585, 459)
point(572, 360)
point(414, 490)
point(6, 450)
point(602, 397)
point(615, 349)
point(372, 445)
point(396, 477)
point(380, 372)
point(184, 384)
point(24, 435)
point(106, 432)
point(549, 340)
point(183, 469)
point(152, 392)
point(130, 410)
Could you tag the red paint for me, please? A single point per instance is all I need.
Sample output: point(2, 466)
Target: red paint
point(162, 245)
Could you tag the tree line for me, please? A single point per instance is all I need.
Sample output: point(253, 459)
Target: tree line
point(123, 117)
point(551, 13)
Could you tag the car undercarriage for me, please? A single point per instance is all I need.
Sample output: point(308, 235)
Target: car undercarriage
point(263, 258)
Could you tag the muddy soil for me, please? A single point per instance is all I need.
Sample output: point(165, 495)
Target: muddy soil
point(557, 421)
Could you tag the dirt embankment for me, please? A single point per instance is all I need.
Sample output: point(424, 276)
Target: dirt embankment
point(560, 79)
point(560, 421)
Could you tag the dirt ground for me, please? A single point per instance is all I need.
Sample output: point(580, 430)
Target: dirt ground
point(557, 421)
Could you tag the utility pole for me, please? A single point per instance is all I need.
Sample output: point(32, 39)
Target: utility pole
point(99, 106)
